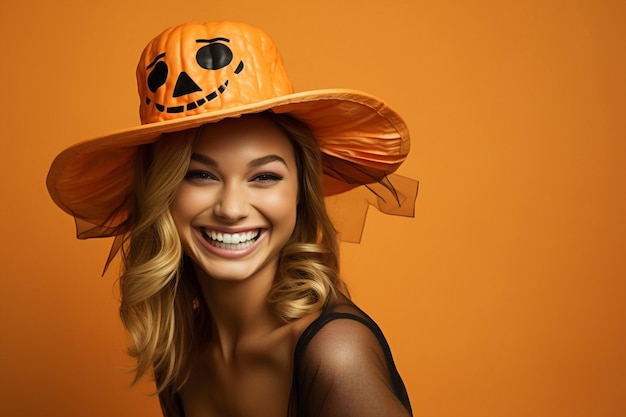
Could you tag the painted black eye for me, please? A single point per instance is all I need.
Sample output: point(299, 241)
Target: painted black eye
point(214, 56)
point(158, 76)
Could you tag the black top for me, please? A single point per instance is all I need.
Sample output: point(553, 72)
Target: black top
point(342, 367)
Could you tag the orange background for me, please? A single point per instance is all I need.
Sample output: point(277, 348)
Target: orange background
point(505, 296)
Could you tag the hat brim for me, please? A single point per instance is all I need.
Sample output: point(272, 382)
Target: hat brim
point(361, 138)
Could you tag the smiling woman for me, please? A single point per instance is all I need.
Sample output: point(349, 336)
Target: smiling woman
point(249, 185)
point(231, 291)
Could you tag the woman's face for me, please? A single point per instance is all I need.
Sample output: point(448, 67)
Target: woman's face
point(236, 207)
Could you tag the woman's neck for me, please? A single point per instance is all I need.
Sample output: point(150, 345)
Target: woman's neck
point(239, 309)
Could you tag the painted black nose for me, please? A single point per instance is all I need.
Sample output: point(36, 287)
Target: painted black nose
point(185, 85)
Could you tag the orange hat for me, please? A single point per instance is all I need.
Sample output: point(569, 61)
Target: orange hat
point(195, 74)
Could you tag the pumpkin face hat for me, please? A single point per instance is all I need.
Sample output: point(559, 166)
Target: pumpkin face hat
point(194, 74)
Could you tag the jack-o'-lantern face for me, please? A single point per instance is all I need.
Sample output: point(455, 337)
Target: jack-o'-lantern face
point(195, 68)
point(212, 55)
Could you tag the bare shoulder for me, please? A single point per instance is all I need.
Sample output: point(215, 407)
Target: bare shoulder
point(294, 330)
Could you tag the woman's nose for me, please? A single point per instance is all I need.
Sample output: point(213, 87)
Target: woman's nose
point(232, 203)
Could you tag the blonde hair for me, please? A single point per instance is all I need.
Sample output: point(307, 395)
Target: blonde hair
point(161, 304)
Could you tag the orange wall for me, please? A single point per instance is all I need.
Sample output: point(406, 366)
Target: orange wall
point(503, 297)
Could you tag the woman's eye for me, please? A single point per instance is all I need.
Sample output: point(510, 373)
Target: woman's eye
point(198, 176)
point(267, 178)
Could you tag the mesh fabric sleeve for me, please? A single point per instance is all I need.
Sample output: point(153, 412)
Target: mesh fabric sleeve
point(344, 367)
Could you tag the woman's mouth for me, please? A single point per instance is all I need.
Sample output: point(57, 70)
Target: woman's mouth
point(231, 241)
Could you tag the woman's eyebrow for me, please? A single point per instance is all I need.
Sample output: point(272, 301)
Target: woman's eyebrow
point(266, 160)
point(206, 160)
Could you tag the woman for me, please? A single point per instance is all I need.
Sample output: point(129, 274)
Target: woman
point(231, 290)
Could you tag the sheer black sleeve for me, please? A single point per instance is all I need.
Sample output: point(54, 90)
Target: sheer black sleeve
point(344, 367)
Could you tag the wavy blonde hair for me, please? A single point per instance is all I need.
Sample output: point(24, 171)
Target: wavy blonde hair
point(161, 303)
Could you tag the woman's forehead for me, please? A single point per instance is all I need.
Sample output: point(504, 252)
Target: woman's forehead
point(249, 135)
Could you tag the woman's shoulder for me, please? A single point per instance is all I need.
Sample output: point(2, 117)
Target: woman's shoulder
point(343, 362)
point(341, 321)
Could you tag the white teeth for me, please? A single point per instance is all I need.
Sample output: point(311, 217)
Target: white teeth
point(232, 238)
